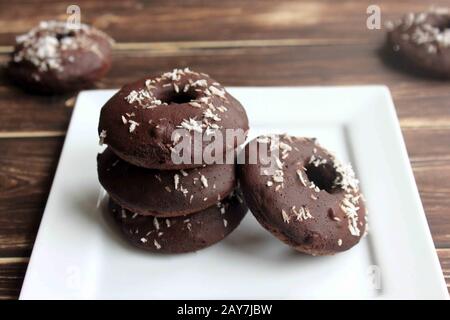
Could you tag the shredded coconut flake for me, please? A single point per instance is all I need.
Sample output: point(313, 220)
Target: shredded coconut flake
point(285, 216)
point(302, 179)
point(133, 125)
point(204, 181)
point(302, 213)
point(176, 179)
point(217, 92)
point(102, 137)
point(156, 223)
point(184, 173)
point(195, 104)
point(350, 208)
point(191, 125)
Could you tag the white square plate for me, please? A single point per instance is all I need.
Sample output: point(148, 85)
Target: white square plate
point(78, 254)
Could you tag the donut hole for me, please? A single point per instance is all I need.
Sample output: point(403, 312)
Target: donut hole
point(61, 35)
point(173, 97)
point(323, 176)
point(444, 27)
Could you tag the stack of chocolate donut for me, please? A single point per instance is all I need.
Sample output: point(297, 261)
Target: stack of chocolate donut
point(160, 204)
point(305, 197)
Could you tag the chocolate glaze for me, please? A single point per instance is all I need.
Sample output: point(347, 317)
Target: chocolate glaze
point(180, 234)
point(152, 192)
point(306, 213)
point(423, 42)
point(78, 66)
point(139, 120)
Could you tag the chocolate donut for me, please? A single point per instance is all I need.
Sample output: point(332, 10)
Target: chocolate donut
point(164, 193)
point(309, 199)
point(139, 122)
point(423, 41)
point(183, 233)
point(54, 57)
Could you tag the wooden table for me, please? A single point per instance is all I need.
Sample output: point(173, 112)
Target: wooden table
point(240, 43)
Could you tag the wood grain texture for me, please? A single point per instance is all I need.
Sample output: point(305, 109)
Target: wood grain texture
point(26, 172)
point(12, 272)
point(444, 258)
point(240, 43)
point(315, 65)
point(168, 20)
point(429, 151)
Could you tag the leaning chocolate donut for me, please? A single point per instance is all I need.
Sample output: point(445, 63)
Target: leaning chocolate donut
point(164, 193)
point(423, 41)
point(139, 123)
point(184, 233)
point(54, 57)
point(308, 200)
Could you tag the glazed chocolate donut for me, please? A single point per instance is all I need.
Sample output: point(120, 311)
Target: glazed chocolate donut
point(164, 193)
point(55, 58)
point(309, 200)
point(184, 233)
point(138, 122)
point(423, 41)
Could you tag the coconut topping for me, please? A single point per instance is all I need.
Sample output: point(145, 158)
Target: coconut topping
point(302, 179)
point(133, 125)
point(349, 206)
point(221, 207)
point(191, 125)
point(204, 181)
point(145, 98)
point(176, 179)
point(345, 179)
point(302, 213)
point(102, 137)
point(285, 216)
point(276, 145)
point(156, 223)
point(157, 245)
point(316, 161)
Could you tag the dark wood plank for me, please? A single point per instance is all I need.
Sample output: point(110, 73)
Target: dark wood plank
point(429, 151)
point(26, 172)
point(444, 258)
point(24, 113)
point(418, 100)
point(163, 20)
point(12, 272)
